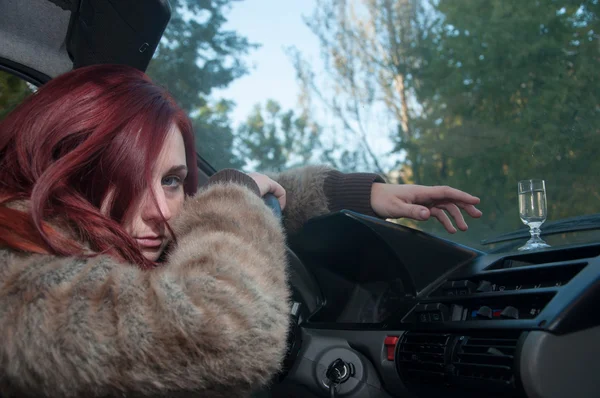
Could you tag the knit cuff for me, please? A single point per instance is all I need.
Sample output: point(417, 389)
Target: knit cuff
point(350, 191)
point(235, 176)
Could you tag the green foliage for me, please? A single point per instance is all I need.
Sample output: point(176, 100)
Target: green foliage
point(215, 136)
point(481, 94)
point(274, 140)
point(510, 91)
point(476, 94)
point(195, 56)
point(13, 91)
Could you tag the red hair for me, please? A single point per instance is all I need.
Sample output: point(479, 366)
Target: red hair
point(90, 132)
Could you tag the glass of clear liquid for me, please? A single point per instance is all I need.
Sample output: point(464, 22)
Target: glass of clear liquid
point(532, 210)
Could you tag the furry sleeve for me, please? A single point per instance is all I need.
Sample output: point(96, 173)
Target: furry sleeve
point(213, 319)
point(312, 191)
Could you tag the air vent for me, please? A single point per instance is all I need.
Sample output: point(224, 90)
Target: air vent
point(486, 357)
point(552, 256)
point(421, 357)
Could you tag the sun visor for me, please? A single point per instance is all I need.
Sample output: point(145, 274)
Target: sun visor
point(117, 31)
point(41, 39)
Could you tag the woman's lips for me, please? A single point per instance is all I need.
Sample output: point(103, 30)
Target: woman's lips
point(149, 242)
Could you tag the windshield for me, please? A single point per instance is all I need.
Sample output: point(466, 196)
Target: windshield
point(473, 94)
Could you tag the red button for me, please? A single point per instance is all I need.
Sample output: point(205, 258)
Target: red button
point(390, 344)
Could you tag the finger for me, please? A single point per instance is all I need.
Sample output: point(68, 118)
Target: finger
point(448, 194)
point(276, 189)
point(443, 219)
point(456, 214)
point(415, 212)
point(470, 209)
point(262, 182)
point(282, 201)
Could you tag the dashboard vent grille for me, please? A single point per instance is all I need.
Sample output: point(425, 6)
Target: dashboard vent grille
point(422, 356)
point(486, 357)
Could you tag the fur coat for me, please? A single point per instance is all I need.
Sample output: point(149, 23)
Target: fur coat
point(211, 322)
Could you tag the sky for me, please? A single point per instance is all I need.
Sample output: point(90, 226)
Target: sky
point(275, 24)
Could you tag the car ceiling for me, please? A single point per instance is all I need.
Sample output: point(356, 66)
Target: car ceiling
point(33, 33)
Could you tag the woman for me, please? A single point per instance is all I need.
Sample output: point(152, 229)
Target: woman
point(112, 282)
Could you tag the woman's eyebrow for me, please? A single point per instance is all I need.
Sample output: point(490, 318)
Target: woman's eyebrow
point(176, 169)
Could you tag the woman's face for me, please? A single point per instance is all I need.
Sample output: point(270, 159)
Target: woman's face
point(145, 224)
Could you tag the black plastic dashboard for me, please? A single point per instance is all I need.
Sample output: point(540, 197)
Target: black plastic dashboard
point(423, 317)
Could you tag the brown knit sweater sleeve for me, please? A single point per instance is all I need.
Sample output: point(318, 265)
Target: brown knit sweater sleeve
point(317, 190)
point(235, 176)
point(350, 191)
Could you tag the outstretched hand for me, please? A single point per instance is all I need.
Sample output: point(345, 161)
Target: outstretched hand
point(419, 203)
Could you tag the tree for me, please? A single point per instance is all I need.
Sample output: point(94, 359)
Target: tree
point(13, 91)
point(274, 140)
point(196, 54)
point(369, 50)
point(215, 136)
point(474, 94)
point(509, 91)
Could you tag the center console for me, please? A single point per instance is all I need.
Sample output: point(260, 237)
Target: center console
point(439, 319)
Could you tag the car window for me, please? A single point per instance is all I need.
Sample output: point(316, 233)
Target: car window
point(473, 94)
point(13, 90)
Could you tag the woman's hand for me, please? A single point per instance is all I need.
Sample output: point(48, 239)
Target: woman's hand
point(267, 185)
point(419, 202)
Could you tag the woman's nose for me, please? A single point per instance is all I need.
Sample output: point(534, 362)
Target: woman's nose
point(153, 209)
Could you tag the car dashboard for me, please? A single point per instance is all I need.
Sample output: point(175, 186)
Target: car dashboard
point(418, 316)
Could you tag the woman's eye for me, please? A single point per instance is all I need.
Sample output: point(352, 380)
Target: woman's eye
point(171, 182)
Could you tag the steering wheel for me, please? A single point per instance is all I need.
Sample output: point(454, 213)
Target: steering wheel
point(272, 202)
point(294, 336)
